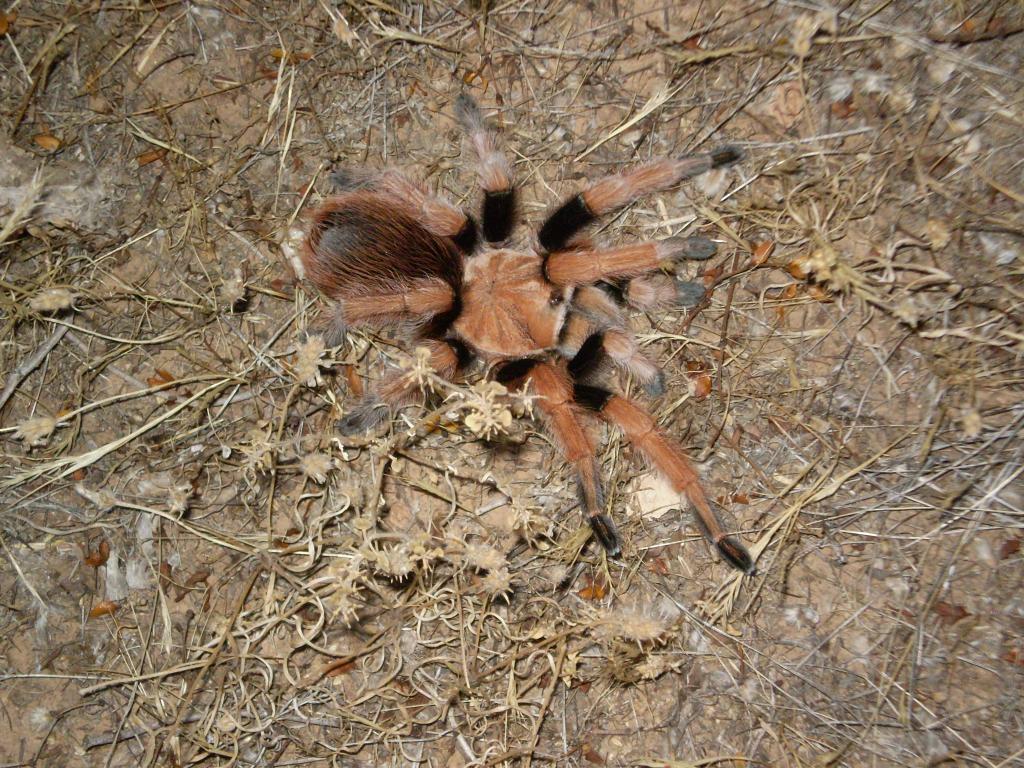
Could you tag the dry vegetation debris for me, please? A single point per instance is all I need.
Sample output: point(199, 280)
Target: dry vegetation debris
point(198, 569)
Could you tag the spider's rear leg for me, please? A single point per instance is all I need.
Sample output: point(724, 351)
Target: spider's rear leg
point(413, 303)
point(669, 458)
point(493, 169)
point(615, 344)
point(402, 388)
point(553, 384)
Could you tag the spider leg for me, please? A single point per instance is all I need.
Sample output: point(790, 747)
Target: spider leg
point(493, 168)
point(614, 192)
point(554, 385)
point(436, 214)
point(663, 292)
point(401, 388)
point(583, 266)
point(414, 304)
point(588, 348)
point(669, 458)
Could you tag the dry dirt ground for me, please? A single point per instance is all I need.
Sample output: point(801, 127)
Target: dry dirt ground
point(197, 568)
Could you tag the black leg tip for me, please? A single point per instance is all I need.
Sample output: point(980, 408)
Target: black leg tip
point(467, 112)
point(726, 155)
point(366, 414)
point(736, 555)
point(689, 294)
point(605, 531)
point(694, 248)
point(656, 386)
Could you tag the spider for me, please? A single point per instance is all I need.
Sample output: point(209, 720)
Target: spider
point(547, 311)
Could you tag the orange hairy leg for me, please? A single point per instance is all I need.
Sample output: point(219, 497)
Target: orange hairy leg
point(590, 265)
point(669, 458)
point(554, 386)
point(613, 192)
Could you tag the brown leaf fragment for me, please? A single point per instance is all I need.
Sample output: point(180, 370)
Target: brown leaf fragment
point(47, 141)
point(150, 156)
point(198, 577)
point(595, 590)
point(103, 608)
point(761, 251)
point(950, 613)
point(1009, 548)
point(100, 556)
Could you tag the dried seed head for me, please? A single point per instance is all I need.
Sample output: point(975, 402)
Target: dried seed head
point(484, 557)
point(497, 582)
point(52, 300)
point(317, 466)
point(232, 290)
point(632, 624)
point(489, 415)
point(35, 431)
point(306, 367)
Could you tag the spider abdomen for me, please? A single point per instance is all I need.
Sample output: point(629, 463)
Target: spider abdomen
point(363, 244)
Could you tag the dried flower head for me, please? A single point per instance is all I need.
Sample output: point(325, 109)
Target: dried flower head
point(419, 370)
point(306, 367)
point(632, 624)
point(35, 431)
point(484, 557)
point(652, 667)
point(529, 522)
point(489, 415)
point(52, 300)
point(420, 549)
point(232, 290)
point(497, 582)
point(179, 498)
point(316, 466)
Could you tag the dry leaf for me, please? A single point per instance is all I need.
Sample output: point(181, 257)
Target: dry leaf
point(47, 141)
point(797, 268)
point(100, 556)
point(949, 613)
point(1009, 548)
point(761, 251)
point(103, 608)
point(700, 386)
point(596, 590)
point(150, 156)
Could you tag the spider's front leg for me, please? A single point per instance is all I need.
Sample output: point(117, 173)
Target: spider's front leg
point(554, 386)
point(669, 458)
point(585, 266)
point(493, 169)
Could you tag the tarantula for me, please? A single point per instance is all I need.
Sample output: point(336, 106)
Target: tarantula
point(548, 311)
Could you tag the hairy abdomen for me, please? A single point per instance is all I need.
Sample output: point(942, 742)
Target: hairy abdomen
point(360, 244)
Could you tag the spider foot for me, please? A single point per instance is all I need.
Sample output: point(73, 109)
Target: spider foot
point(689, 294)
point(725, 155)
point(365, 415)
point(736, 555)
point(693, 248)
point(348, 178)
point(605, 531)
point(655, 387)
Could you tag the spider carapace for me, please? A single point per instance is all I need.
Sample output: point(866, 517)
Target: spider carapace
point(550, 313)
